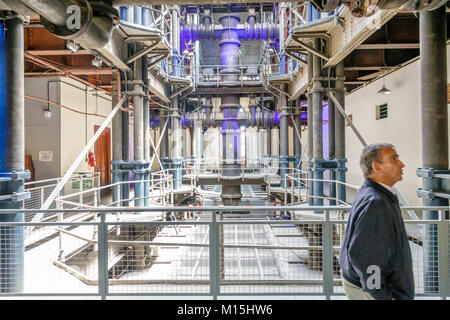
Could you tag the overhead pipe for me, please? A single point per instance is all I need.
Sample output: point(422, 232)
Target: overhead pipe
point(97, 20)
point(20, 8)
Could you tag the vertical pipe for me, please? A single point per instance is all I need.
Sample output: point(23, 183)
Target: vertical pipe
point(433, 70)
point(125, 155)
point(283, 135)
point(146, 131)
point(297, 140)
point(297, 134)
point(282, 36)
point(12, 143)
point(138, 101)
point(176, 143)
point(175, 42)
point(331, 150)
point(318, 133)
point(137, 15)
point(116, 137)
point(229, 60)
point(339, 129)
point(310, 120)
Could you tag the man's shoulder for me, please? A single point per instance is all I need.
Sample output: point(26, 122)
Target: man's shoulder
point(369, 195)
point(370, 199)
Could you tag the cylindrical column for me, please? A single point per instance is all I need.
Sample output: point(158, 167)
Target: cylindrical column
point(310, 123)
point(116, 138)
point(175, 42)
point(297, 134)
point(146, 121)
point(176, 144)
point(197, 143)
point(339, 130)
point(433, 70)
point(284, 164)
point(231, 134)
point(125, 155)
point(331, 150)
point(12, 149)
point(318, 133)
point(282, 37)
point(138, 101)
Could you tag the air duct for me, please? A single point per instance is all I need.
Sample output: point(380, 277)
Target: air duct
point(89, 23)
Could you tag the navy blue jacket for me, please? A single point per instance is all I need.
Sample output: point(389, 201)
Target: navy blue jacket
point(376, 236)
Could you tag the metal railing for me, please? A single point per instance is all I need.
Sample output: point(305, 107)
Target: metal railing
point(213, 251)
point(41, 189)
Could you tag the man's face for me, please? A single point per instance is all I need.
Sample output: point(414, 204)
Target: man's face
point(390, 170)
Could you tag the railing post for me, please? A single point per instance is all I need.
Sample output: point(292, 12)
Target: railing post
point(337, 192)
point(42, 196)
point(95, 198)
point(443, 227)
point(81, 189)
point(327, 256)
point(292, 188)
point(102, 257)
point(59, 205)
point(214, 257)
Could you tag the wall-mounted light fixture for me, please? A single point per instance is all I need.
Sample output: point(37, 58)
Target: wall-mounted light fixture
point(47, 114)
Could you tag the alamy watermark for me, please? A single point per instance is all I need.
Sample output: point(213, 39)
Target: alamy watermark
point(374, 280)
point(73, 21)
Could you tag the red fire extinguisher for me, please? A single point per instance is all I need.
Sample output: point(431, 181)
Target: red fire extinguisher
point(91, 159)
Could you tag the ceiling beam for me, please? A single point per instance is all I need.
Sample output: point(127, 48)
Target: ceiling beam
point(374, 46)
point(60, 52)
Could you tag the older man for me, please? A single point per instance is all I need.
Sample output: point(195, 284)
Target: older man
point(375, 257)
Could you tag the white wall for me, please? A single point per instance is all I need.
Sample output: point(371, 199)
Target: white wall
point(402, 128)
point(78, 129)
point(42, 134)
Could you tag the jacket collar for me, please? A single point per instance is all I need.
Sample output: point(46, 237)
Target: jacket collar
point(380, 188)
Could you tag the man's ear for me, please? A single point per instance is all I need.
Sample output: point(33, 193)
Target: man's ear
point(375, 166)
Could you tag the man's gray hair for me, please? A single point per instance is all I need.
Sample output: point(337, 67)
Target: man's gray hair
point(371, 153)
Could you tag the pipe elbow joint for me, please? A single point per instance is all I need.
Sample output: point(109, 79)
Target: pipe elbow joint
point(91, 25)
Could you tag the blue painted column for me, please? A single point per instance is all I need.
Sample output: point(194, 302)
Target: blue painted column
point(12, 147)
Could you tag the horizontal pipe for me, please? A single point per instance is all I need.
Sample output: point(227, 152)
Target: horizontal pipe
point(184, 2)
